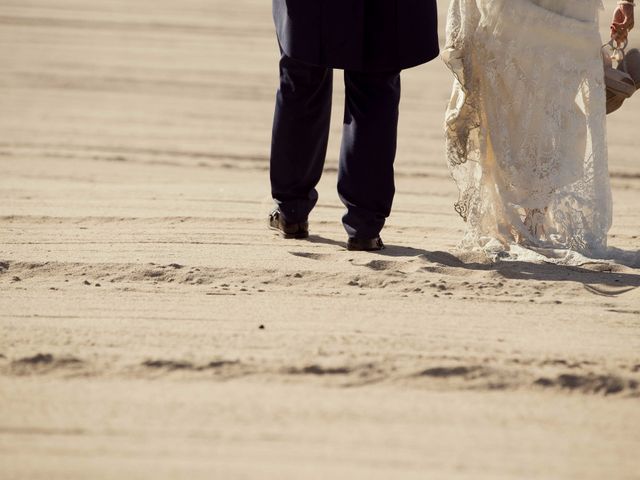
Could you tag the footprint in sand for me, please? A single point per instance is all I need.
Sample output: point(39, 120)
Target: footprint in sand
point(378, 265)
point(590, 383)
point(311, 256)
point(44, 363)
point(447, 372)
point(172, 365)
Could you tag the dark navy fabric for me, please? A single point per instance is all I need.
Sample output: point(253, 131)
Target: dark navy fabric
point(372, 40)
point(369, 136)
point(358, 35)
point(300, 136)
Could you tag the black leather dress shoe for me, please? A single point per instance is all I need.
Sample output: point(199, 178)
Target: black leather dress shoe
point(365, 244)
point(288, 230)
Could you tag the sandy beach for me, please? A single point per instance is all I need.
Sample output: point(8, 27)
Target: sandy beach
point(152, 327)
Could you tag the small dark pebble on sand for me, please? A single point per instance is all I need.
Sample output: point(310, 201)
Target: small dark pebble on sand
point(87, 282)
point(16, 279)
point(261, 327)
point(98, 285)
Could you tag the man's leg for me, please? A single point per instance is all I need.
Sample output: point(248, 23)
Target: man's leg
point(365, 178)
point(300, 136)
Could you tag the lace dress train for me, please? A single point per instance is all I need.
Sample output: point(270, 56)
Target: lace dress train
point(525, 127)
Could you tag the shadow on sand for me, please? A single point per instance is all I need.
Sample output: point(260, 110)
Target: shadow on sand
point(600, 278)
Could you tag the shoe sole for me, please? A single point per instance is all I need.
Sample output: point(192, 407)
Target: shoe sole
point(357, 249)
point(290, 236)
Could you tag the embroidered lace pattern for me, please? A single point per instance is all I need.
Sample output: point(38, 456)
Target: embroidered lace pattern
point(525, 126)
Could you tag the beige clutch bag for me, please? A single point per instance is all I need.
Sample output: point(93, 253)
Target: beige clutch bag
point(623, 80)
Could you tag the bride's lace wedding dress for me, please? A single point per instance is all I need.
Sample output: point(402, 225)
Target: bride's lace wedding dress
point(526, 127)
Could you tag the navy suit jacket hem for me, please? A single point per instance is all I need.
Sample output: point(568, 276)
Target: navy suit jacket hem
point(358, 35)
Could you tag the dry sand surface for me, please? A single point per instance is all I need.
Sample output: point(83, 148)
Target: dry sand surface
point(152, 327)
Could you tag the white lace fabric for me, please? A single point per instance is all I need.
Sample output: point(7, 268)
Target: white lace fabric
point(525, 127)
